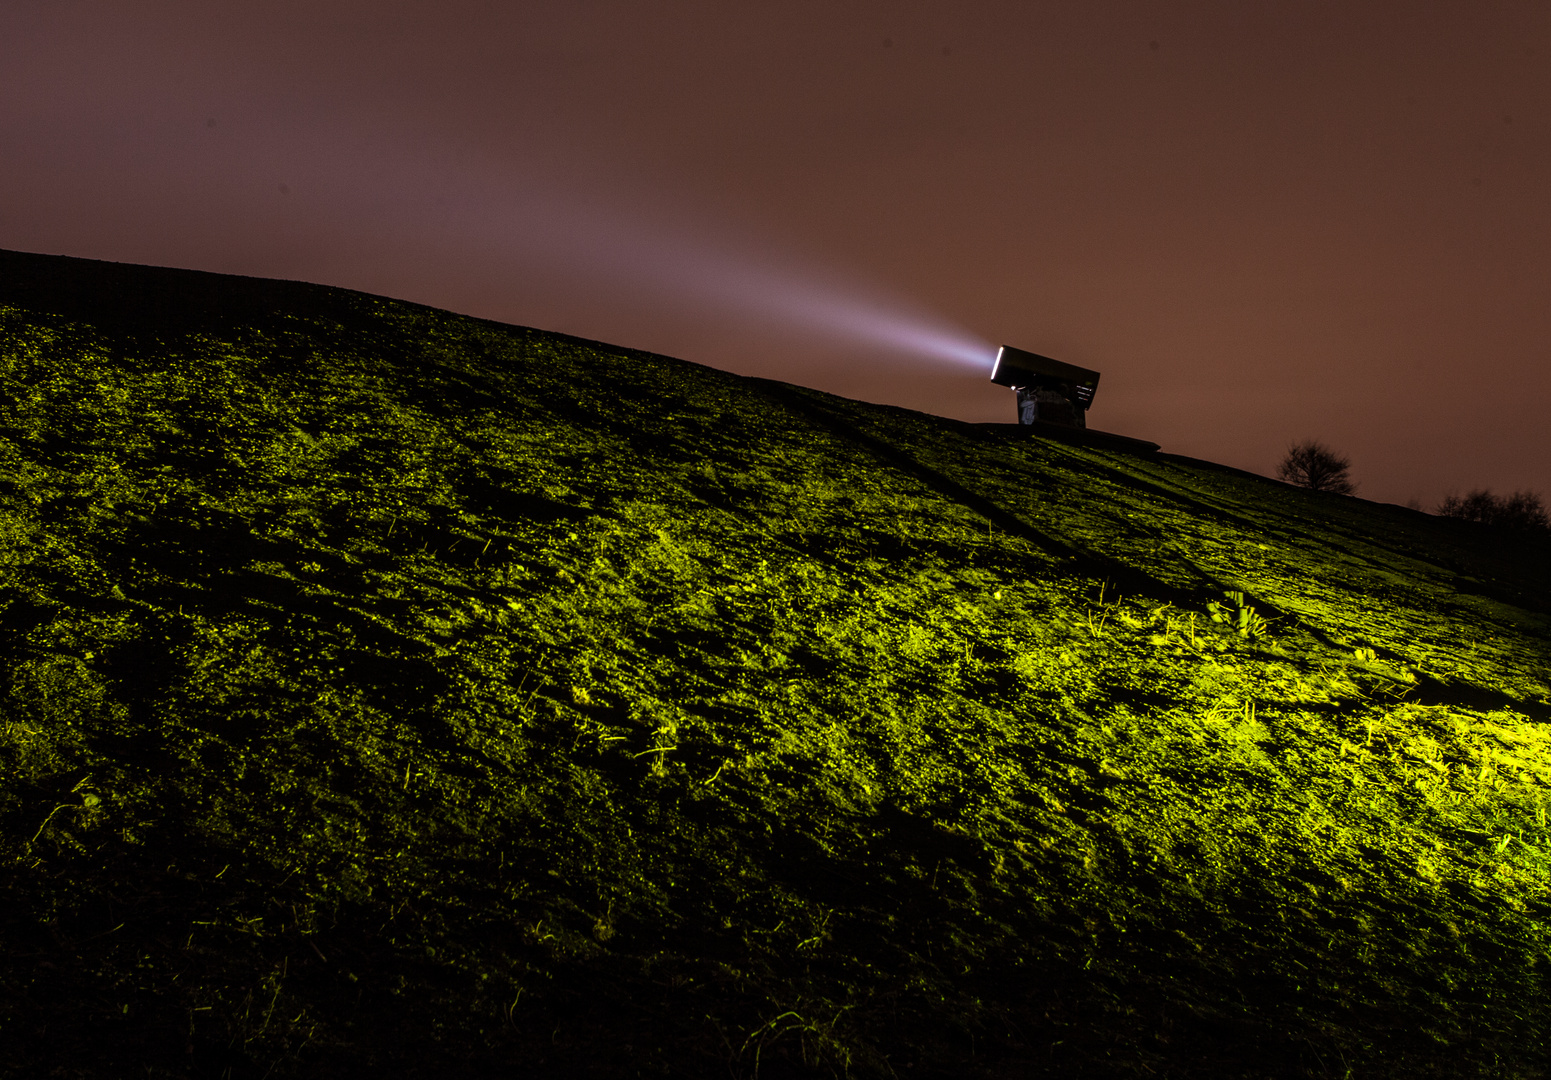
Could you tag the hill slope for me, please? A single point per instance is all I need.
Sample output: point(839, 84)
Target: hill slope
point(386, 689)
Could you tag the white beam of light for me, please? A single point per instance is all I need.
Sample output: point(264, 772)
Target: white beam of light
point(713, 279)
point(360, 195)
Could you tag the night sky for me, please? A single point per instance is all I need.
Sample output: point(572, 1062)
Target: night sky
point(1261, 221)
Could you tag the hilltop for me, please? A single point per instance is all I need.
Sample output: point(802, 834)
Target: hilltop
point(387, 690)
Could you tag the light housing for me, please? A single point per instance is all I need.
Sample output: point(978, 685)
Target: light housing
point(1016, 367)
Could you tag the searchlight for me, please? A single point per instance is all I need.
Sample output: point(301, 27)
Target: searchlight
point(1049, 391)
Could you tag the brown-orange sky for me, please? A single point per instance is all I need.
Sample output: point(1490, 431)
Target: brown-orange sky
point(1261, 221)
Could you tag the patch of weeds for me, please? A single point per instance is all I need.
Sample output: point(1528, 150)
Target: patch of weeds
point(1239, 616)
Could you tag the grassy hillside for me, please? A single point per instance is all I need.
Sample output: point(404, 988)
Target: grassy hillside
point(390, 691)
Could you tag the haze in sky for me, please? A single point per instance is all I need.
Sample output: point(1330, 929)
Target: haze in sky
point(1261, 222)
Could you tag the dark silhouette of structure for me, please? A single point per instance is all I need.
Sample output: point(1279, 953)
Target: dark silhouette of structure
point(1049, 391)
point(1053, 400)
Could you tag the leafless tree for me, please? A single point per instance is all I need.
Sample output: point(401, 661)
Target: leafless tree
point(1315, 466)
point(1521, 510)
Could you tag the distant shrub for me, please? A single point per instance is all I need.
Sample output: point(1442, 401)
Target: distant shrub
point(1315, 466)
point(1522, 510)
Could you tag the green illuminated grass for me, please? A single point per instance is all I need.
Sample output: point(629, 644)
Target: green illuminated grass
point(391, 692)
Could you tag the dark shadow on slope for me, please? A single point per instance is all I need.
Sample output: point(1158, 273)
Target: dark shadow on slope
point(1266, 608)
point(147, 302)
point(491, 490)
point(1430, 691)
point(1523, 557)
point(1203, 507)
point(1101, 567)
